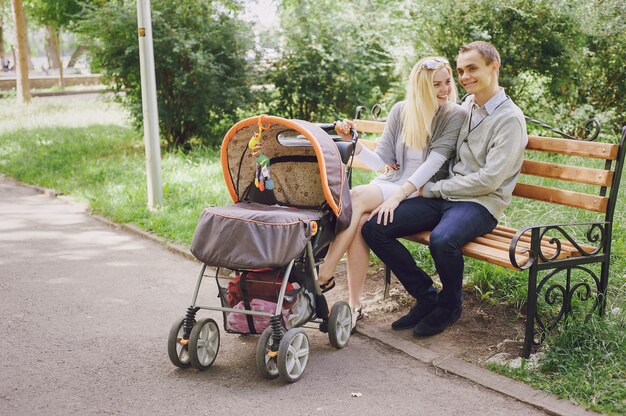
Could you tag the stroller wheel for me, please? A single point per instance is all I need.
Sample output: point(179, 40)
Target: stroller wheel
point(177, 351)
point(266, 365)
point(204, 343)
point(293, 355)
point(339, 324)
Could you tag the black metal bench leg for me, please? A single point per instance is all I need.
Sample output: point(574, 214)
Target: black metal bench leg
point(387, 282)
point(604, 282)
point(531, 311)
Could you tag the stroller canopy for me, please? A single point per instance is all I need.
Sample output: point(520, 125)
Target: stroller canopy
point(304, 164)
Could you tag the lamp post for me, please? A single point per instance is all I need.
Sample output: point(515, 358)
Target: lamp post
point(149, 104)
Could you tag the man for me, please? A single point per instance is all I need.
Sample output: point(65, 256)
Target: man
point(465, 205)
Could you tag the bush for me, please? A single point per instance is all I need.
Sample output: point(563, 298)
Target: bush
point(199, 49)
point(330, 64)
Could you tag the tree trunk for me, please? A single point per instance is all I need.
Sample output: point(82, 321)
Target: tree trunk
point(53, 36)
point(2, 57)
point(77, 54)
point(21, 66)
point(53, 61)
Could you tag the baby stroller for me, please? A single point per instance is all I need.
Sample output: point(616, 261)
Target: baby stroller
point(288, 182)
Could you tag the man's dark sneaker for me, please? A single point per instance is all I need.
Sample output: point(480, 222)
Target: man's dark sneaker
point(416, 314)
point(436, 321)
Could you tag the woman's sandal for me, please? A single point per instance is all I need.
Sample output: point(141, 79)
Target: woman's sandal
point(359, 315)
point(330, 283)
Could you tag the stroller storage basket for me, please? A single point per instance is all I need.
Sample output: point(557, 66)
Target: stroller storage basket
point(258, 290)
point(249, 235)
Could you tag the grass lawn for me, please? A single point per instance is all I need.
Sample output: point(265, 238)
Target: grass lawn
point(88, 150)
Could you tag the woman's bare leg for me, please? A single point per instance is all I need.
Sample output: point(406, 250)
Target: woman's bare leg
point(365, 199)
point(358, 265)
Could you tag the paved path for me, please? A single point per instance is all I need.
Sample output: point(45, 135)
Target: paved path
point(84, 314)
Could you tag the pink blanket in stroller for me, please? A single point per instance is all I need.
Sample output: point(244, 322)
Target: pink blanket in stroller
point(239, 322)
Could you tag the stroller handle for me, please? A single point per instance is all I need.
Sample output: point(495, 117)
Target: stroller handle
point(346, 149)
point(331, 126)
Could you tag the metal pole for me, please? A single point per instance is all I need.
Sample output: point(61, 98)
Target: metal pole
point(149, 102)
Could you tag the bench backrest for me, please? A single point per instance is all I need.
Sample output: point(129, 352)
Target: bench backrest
point(569, 167)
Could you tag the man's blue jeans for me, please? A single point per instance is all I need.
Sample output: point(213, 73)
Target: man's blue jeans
point(452, 223)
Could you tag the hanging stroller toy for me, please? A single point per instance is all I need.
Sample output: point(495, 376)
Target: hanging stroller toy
point(267, 247)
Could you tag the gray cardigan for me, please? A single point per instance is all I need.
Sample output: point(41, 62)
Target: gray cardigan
point(444, 132)
point(488, 161)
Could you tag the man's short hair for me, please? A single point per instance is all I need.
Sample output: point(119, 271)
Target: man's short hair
point(485, 49)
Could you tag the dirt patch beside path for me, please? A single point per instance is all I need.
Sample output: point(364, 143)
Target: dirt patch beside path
point(485, 328)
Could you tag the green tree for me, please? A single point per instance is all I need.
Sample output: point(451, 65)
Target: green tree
point(562, 61)
point(602, 61)
point(201, 70)
point(335, 57)
point(531, 35)
point(54, 15)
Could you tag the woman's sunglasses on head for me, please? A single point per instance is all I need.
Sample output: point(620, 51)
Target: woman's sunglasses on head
point(432, 63)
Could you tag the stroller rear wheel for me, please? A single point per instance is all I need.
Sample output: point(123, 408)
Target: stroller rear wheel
point(266, 364)
point(339, 324)
point(177, 350)
point(293, 355)
point(204, 343)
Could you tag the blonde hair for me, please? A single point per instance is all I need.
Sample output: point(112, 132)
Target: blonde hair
point(420, 104)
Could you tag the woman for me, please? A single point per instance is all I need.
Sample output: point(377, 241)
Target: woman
point(419, 139)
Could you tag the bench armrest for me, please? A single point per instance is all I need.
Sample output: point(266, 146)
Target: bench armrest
point(548, 243)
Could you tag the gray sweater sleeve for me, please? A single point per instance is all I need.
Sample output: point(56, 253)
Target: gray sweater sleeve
point(445, 138)
point(503, 153)
point(386, 147)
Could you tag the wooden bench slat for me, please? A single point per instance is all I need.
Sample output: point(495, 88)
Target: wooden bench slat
point(477, 251)
point(494, 247)
point(524, 241)
point(560, 196)
point(505, 235)
point(570, 147)
point(568, 173)
point(503, 243)
point(492, 255)
point(369, 126)
point(488, 241)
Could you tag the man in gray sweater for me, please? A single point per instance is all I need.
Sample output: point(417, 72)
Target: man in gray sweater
point(482, 175)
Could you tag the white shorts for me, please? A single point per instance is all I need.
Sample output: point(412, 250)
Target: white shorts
point(388, 188)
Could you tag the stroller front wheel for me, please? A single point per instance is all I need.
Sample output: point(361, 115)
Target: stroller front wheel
point(339, 324)
point(293, 355)
point(204, 343)
point(266, 364)
point(177, 350)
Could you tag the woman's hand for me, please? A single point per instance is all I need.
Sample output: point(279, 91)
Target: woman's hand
point(343, 128)
point(386, 209)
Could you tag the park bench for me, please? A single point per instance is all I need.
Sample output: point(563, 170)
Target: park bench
point(561, 259)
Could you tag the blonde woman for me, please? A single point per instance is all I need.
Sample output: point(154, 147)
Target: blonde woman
point(419, 139)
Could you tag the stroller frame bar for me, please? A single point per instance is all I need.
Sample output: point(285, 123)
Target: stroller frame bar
point(281, 293)
point(233, 310)
point(194, 297)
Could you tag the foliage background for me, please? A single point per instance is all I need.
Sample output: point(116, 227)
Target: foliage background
point(201, 67)
point(562, 60)
point(563, 63)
